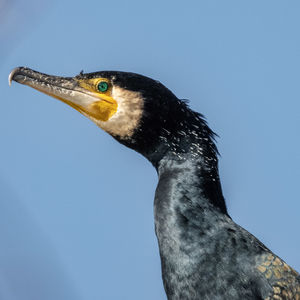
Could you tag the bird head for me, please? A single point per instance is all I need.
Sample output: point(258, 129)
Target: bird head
point(128, 106)
point(138, 111)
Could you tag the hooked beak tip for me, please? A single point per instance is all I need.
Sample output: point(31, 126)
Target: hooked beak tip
point(13, 75)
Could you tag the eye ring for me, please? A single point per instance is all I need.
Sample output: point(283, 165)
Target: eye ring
point(102, 86)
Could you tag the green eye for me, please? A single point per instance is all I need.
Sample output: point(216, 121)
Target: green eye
point(102, 86)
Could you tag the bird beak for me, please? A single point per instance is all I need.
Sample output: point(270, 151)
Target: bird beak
point(67, 89)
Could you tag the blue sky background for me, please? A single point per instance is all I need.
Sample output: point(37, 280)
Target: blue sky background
point(76, 207)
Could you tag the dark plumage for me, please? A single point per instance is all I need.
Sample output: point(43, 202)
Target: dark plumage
point(204, 254)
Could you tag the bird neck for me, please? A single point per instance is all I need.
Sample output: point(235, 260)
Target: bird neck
point(189, 209)
point(186, 154)
point(191, 181)
point(188, 190)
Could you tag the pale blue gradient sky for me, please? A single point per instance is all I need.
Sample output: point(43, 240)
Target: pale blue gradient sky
point(77, 207)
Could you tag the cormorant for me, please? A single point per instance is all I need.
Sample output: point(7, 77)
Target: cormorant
point(204, 253)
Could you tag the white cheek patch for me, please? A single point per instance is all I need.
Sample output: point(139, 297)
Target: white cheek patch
point(128, 115)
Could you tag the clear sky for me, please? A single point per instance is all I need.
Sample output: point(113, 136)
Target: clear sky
point(76, 207)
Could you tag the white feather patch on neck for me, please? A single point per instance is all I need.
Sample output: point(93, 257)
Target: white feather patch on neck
point(127, 118)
